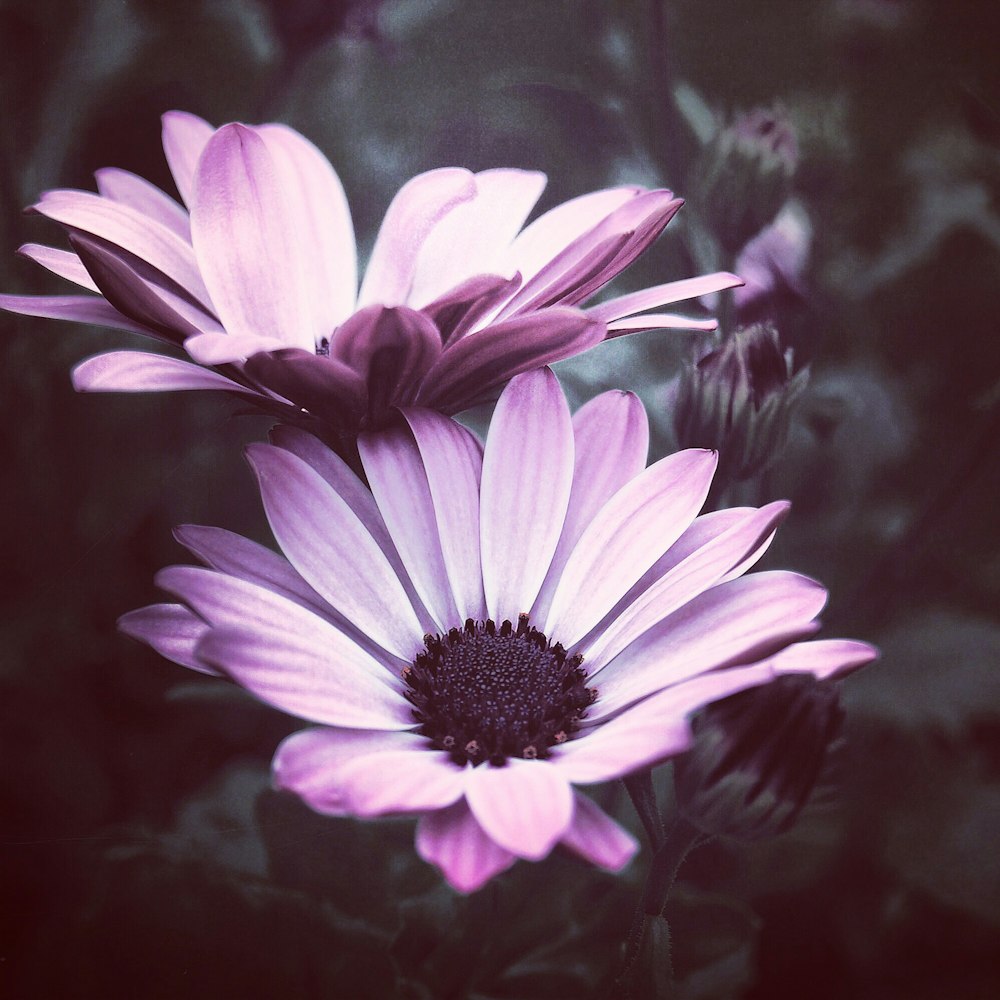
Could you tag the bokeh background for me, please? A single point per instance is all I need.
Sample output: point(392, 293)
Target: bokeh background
point(142, 853)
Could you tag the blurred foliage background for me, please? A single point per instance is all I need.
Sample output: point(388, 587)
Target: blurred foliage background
point(142, 853)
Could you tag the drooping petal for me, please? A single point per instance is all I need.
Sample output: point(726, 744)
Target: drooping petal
point(418, 207)
point(247, 247)
point(137, 371)
point(322, 218)
point(453, 462)
point(824, 657)
point(75, 308)
point(662, 295)
point(331, 549)
point(452, 840)
point(171, 629)
point(526, 806)
point(62, 262)
point(625, 538)
point(131, 189)
point(184, 139)
point(527, 476)
point(597, 838)
point(471, 370)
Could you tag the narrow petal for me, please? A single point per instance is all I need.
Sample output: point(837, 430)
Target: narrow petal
point(471, 370)
point(453, 462)
point(735, 622)
point(417, 208)
point(131, 189)
point(629, 533)
point(322, 218)
point(171, 629)
point(308, 762)
point(462, 307)
point(612, 442)
point(184, 139)
point(248, 249)
point(526, 806)
point(597, 838)
point(220, 348)
point(452, 840)
point(401, 781)
point(76, 308)
point(824, 657)
point(527, 477)
point(136, 371)
point(663, 295)
point(398, 482)
point(331, 549)
point(62, 262)
point(659, 321)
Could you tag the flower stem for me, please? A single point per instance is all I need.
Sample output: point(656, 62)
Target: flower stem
point(640, 790)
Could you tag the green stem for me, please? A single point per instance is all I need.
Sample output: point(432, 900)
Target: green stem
point(640, 789)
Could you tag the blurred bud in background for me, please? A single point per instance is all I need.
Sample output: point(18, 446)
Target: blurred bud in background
point(739, 399)
point(304, 25)
point(744, 174)
point(756, 757)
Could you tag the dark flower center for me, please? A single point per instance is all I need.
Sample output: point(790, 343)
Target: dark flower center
point(485, 693)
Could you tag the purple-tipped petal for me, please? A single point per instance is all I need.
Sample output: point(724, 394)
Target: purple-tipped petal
point(247, 246)
point(62, 262)
point(453, 841)
point(140, 194)
point(459, 310)
point(332, 550)
point(418, 207)
point(662, 295)
point(629, 533)
point(136, 371)
point(398, 482)
point(453, 462)
point(597, 838)
point(184, 139)
point(526, 806)
point(824, 657)
point(471, 370)
point(75, 308)
point(527, 476)
point(171, 629)
point(321, 217)
point(735, 622)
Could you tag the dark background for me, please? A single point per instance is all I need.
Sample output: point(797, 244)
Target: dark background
point(141, 852)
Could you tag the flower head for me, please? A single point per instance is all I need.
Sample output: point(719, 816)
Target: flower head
point(490, 627)
point(256, 277)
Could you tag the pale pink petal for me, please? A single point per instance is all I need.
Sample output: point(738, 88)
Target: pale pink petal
point(131, 189)
point(418, 207)
point(322, 218)
point(472, 237)
point(398, 482)
point(136, 371)
point(453, 462)
point(629, 533)
point(332, 550)
point(75, 308)
point(659, 321)
point(527, 477)
point(184, 138)
point(824, 657)
point(737, 621)
point(526, 806)
point(62, 262)
point(248, 249)
point(220, 348)
point(401, 781)
point(597, 838)
point(699, 571)
point(452, 840)
point(662, 295)
point(612, 442)
point(171, 629)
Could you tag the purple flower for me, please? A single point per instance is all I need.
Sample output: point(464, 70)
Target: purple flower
point(257, 277)
point(490, 627)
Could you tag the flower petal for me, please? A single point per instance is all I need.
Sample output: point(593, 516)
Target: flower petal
point(452, 840)
point(625, 538)
point(184, 139)
point(662, 295)
point(131, 189)
point(659, 321)
point(401, 781)
point(137, 371)
point(418, 207)
point(824, 657)
point(62, 262)
point(596, 837)
point(76, 308)
point(247, 247)
point(171, 629)
point(526, 806)
point(527, 476)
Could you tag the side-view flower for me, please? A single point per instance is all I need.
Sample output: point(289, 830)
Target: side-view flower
point(255, 276)
point(490, 627)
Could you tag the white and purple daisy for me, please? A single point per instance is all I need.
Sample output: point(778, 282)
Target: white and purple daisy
point(490, 626)
point(255, 275)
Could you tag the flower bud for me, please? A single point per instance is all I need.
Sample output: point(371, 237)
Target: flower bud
point(745, 175)
point(738, 399)
point(756, 757)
